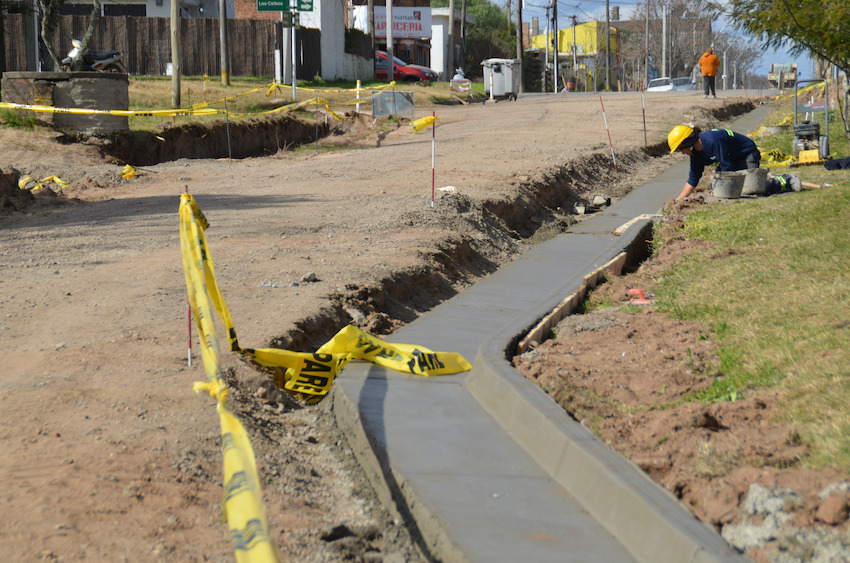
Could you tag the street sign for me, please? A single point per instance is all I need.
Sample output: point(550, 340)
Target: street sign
point(284, 5)
point(272, 5)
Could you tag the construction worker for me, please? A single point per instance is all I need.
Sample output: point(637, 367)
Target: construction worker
point(708, 64)
point(731, 151)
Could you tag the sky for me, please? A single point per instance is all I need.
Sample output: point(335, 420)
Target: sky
point(587, 10)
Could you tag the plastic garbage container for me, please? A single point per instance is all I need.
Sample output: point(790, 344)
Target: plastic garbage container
point(504, 75)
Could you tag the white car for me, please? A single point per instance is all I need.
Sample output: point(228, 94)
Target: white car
point(684, 83)
point(669, 84)
point(660, 85)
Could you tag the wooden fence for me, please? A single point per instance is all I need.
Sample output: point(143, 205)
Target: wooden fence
point(146, 44)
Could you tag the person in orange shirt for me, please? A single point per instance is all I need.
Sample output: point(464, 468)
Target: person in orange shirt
point(709, 63)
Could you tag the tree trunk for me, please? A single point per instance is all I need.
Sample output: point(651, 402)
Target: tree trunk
point(93, 21)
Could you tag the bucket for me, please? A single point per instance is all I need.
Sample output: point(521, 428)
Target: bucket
point(755, 181)
point(727, 185)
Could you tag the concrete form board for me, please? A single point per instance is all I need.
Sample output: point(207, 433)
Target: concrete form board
point(448, 444)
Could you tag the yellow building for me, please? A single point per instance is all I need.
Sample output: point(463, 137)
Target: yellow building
point(590, 42)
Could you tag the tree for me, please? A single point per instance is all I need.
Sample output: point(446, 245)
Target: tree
point(50, 16)
point(488, 38)
point(686, 29)
point(821, 27)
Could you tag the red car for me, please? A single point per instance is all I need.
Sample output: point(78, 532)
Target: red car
point(402, 71)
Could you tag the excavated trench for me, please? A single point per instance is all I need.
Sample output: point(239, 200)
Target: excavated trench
point(224, 139)
point(544, 207)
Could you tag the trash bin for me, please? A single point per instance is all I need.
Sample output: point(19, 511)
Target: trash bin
point(505, 75)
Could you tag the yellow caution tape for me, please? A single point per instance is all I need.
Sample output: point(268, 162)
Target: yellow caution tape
point(202, 108)
point(776, 157)
point(128, 172)
point(222, 100)
point(242, 506)
point(120, 112)
point(423, 122)
point(30, 183)
point(309, 375)
point(807, 89)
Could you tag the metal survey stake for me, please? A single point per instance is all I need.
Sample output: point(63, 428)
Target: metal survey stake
point(433, 153)
point(188, 311)
point(614, 158)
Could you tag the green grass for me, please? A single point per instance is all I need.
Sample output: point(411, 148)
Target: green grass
point(253, 95)
point(775, 288)
point(18, 119)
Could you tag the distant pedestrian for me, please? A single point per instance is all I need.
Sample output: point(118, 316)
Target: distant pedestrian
point(708, 64)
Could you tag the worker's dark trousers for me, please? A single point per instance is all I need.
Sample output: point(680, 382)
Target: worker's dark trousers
point(708, 84)
point(752, 160)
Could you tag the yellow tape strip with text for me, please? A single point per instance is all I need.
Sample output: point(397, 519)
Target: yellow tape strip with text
point(242, 506)
point(311, 375)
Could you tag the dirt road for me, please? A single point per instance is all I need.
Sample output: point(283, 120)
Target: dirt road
point(108, 454)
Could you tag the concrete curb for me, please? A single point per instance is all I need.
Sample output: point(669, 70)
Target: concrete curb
point(650, 521)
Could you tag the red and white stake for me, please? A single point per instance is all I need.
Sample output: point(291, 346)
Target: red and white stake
point(189, 325)
point(613, 157)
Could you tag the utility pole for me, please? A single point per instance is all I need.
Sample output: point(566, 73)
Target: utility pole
point(175, 54)
point(575, 50)
point(555, 43)
point(370, 7)
point(390, 55)
point(463, 33)
point(607, 47)
point(450, 48)
point(519, 46)
point(663, 40)
point(222, 25)
point(546, 64)
point(646, 48)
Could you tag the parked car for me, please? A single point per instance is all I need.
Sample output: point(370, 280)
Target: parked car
point(660, 85)
point(401, 70)
point(666, 84)
point(684, 83)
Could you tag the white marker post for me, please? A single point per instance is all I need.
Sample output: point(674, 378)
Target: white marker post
point(357, 106)
point(491, 85)
point(613, 157)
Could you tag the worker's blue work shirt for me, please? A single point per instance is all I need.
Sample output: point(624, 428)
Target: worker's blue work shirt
point(722, 146)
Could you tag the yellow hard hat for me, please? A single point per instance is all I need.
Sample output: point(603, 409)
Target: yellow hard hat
point(679, 134)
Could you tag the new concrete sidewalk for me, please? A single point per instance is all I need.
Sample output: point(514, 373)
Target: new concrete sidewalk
point(484, 464)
